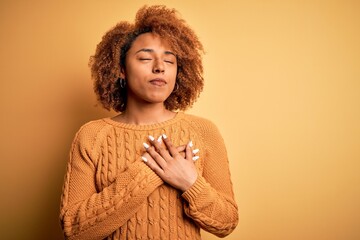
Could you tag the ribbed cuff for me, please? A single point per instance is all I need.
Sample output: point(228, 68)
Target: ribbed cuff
point(191, 194)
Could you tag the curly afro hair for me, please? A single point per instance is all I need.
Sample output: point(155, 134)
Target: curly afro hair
point(110, 55)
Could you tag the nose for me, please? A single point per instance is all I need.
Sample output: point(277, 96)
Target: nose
point(158, 67)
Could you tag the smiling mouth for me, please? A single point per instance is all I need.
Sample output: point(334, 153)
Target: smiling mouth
point(158, 82)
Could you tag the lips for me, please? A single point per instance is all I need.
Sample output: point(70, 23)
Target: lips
point(158, 82)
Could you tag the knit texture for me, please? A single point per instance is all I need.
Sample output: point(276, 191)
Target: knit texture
point(109, 193)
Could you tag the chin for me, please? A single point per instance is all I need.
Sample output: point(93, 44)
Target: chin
point(158, 99)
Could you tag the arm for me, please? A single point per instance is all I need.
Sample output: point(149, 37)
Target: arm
point(210, 200)
point(88, 214)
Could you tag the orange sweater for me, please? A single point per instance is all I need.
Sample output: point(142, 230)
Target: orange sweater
point(110, 193)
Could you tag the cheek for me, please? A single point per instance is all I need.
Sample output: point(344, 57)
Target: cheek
point(135, 74)
point(134, 68)
point(174, 72)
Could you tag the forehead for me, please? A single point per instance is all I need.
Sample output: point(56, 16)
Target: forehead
point(150, 40)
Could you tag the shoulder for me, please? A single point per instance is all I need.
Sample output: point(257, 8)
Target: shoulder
point(91, 132)
point(203, 125)
point(208, 132)
point(199, 121)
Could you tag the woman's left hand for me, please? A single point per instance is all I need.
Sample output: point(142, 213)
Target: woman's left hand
point(169, 164)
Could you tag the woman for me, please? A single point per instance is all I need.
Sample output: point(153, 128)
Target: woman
point(138, 175)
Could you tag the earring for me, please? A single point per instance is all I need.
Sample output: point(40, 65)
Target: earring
point(122, 82)
point(176, 87)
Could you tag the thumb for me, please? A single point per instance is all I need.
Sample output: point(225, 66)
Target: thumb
point(188, 152)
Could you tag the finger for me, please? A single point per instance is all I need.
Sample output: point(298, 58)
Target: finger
point(188, 152)
point(181, 148)
point(159, 140)
point(195, 151)
point(151, 163)
point(155, 155)
point(160, 149)
point(173, 151)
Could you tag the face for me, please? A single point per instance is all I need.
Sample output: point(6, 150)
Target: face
point(150, 71)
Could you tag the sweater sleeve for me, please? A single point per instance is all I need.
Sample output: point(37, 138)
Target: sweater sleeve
point(210, 201)
point(86, 213)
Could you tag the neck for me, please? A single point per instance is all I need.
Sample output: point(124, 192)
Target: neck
point(145, 114)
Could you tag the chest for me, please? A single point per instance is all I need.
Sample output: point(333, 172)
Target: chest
point(121, 148)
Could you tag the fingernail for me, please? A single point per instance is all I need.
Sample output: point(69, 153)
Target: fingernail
point(190, 144)
point(159, 139)
point(164, 136)
point(195, 158)
point(144, 159)
point(195, 151)
point(151, 138)
point(146, 145)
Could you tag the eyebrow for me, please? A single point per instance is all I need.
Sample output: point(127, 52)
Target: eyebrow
point(152, 50)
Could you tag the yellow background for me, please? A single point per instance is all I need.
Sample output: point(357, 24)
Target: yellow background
point(282, 84)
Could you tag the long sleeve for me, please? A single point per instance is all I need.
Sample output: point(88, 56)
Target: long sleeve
point(87, 213)
point(210, 201)
point(109, 193)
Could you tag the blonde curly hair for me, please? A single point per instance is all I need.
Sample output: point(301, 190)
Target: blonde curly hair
point(110, 55)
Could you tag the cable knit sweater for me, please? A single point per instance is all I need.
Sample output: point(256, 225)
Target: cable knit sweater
point(109, 193)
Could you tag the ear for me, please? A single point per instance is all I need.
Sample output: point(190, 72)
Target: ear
point(122, 73)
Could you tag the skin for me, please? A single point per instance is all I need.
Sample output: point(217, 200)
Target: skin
point(167, 162)
point(150, 73)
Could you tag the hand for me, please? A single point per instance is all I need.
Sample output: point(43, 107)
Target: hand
point(169, 163)
point(181, 149)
